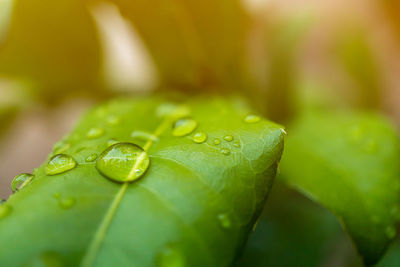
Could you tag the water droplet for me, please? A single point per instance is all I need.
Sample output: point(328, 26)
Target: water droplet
point(228, 138)
point(112, 142)
point(60, 163)
point(224, 221)
point(172, 110)
point(252, 118)
point(170, 256)
point(390, 232)
point(217, 141)
point(20, 181)
point(199, 137)
point(113, 120)
point(91, 157)
point(225, 151)
point(184, 127)
point(46, 259)
point(236, 143)
point(95, 133)
point(144, 136)
point(5, 210)
point(66, 203)
point(121, 162)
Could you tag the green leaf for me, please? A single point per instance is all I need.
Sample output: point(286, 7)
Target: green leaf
point(196, 203)
point(349, 163)
point(54, 45)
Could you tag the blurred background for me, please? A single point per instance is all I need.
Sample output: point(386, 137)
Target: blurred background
point(58, 58)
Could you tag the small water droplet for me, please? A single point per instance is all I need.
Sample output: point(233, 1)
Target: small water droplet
point(170, 256)
point(60, 163)
point(184, 127)
point(224, 221)
point(390, 232)
point(144, 136)
point(251, 118)
point(20, 181)
point(5, 210)
point(236, 143)
point(91, 157)
point(95, 133)
point(121, 162)
point(199, 137)
point(66, 203)
point(228, 138)
point(113, 120)
point(217, 141)
point(225, 151)
point(111, 142)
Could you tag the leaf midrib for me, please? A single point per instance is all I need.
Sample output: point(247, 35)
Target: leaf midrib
point(96, 243)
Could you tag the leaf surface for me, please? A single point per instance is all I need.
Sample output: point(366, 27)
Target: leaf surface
point(349, 163)
point(194, 205)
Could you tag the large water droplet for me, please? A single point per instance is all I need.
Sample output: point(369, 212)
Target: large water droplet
point(95, 133)
point(225, 151)
point(123, 162)
point(91, 157)
point(252, 118)
point(113, 120)
point(224, 221)
point(66, 203)
point(390, 232)
point(60, 163)
point(170, 256)
point(20, 181)
point(228, 138)
point(199, 137)
point(184, 127)
point(5, 210)
point(217, 141)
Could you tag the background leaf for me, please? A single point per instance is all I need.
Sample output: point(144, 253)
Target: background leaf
point(196, 203)
point(348, 163)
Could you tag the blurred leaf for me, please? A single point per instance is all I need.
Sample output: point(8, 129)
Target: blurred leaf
point(294, 231)
point(195, 44)
point(54, 44)
point(195, 203)
point(359, 60)
point(349, 163)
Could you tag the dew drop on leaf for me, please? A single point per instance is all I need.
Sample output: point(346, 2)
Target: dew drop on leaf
point(123, 162)
point(113, 120)
point(199, 137)
point(170, 256)
point(184, 127)
point(60, 163)
point(236, 143)
point(228, 138)
point(91, 157)
point(224, 221)
point(5, 210)
point(252, 118)
point(66, 203)
point(95, 133)
point(217, 141)
point(225, 151)
point(20, 181)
